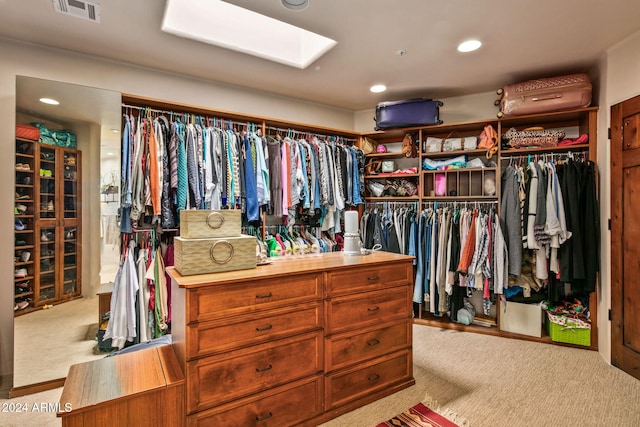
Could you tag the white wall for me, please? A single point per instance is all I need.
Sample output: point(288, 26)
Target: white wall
point(59, 65)
point(620, 79)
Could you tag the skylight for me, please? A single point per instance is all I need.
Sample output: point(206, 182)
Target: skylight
point(232, 27)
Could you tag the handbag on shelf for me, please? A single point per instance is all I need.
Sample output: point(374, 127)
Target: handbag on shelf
point(533, 137)
point(368, 145)
point(373, 167)
point(458, 143)
point(488, 140)
point(409, 149)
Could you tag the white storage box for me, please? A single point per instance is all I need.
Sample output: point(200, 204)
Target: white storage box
point(525, 319)
point(200, 256)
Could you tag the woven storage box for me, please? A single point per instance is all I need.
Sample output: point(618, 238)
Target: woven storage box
point(567, 330)
point(200, 256)
point(198, 224)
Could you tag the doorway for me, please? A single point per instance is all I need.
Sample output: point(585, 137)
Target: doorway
point(625, 236)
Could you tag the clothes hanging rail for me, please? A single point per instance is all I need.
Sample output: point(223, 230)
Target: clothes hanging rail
point(215, 120)
point(288, 131)
point(554, 156)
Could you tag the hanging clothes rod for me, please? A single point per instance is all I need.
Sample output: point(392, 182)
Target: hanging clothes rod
point(184, 113)
point(302, 132)
point(571, 155)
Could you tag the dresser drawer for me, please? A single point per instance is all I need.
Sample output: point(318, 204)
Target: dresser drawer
point(284, 406)
point(353, 347)
point(218, 379)
point(367, 308)
point(226, 334)
point(221, 301)
point(369, 278)
point(358, 382)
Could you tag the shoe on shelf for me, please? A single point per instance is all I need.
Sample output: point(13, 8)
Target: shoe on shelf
point(21, 208)
point(19, 225)
point(71, 234)
point(20, 273)
point(25, 180)
point(50, 205)
point(23, 285)
point(44, 237)
point(21, 196)
point(25, 256)
point(21, 305)
point(21, 243)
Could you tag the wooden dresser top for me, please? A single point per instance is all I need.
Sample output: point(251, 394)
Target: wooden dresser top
point(290, 266)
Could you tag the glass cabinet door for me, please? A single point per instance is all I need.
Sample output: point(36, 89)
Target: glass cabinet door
point(47, 183)
point(70, 262)
point(70, 185)
point(47, 264)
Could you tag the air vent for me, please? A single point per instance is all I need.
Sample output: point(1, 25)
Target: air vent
point(79, 9)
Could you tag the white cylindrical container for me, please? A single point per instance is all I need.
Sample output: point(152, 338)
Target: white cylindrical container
point(351, 222)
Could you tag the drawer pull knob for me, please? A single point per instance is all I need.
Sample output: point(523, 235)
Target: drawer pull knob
point(264, 417)
point(268, 368)
point(375, 377)
point(376, 308)
point(265, 328)
point(269, 295)
point(374, 278)
point(373, 343)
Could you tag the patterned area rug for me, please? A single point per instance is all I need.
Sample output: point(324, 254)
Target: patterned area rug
point(418, 416)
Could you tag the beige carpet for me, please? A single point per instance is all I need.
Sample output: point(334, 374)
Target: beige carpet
point(485, 381)
point(47, 342)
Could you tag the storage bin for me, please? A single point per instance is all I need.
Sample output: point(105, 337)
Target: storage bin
point(200, 256)
point(198, 224)
point(525, 319)
point(568, 330)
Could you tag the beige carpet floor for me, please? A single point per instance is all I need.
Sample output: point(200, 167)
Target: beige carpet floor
point(47, 342)
point(484, 381)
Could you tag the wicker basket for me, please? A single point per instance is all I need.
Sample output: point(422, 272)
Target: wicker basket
point(198, 224)
point(567, 330)
point(200, 256)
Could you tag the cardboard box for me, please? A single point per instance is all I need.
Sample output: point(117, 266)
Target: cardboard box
point(525, 319)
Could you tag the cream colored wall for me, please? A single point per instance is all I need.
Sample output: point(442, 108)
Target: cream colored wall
point(620, 77)
point(19, 59)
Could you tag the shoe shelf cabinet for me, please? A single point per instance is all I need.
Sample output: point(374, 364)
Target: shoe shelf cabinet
point(48, 226)
point(467, 185)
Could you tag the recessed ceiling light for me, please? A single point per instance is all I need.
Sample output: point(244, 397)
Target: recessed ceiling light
point(469, 46)
point(244, 31)
point(378, 88)
point(295, 4)
point(49, 101)
point(115, 130)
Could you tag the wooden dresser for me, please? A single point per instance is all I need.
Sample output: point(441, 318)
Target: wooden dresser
point(296, 342)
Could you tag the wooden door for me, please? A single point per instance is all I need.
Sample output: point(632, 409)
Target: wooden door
point(625, 236)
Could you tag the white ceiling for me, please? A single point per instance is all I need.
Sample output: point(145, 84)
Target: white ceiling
point(521, 40)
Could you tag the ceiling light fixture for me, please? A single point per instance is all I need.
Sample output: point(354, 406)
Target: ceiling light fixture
point(295, 4)
point(244, 31)
point(469, 46)
point(378, 88)
point(49, 101)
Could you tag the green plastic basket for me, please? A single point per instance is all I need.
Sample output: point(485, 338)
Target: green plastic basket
point(569, 333)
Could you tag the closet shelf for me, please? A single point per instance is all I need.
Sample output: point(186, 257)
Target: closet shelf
point(392, 175)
